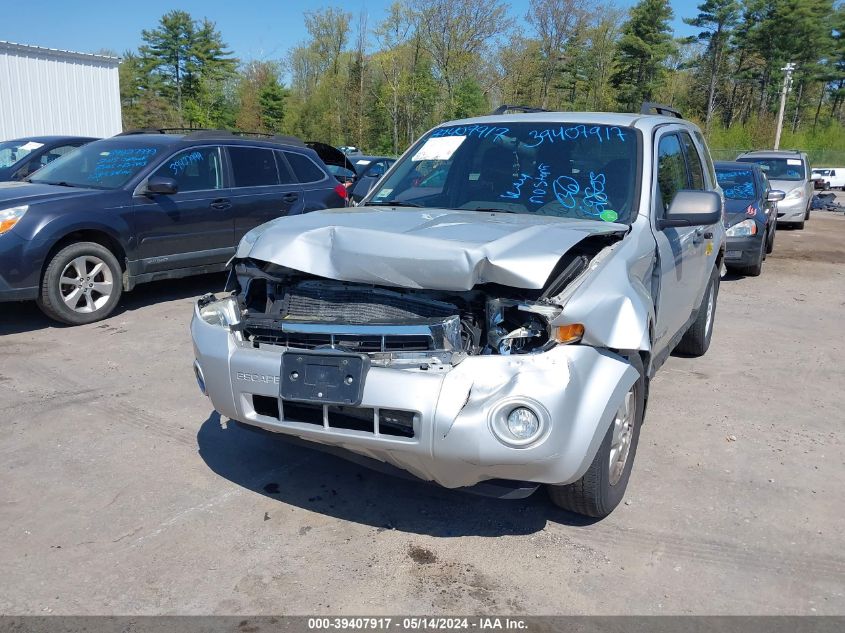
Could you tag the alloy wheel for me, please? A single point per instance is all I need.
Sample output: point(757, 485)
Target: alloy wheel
point(86, 284)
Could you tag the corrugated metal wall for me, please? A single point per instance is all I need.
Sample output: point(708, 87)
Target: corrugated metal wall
point(47, 91)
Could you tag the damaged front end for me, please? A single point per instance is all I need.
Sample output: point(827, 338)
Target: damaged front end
point(460, 386)
point(422, 329)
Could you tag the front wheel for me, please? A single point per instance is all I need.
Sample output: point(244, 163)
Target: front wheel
point(602, 487)
point(81, 284)
point(696, 340)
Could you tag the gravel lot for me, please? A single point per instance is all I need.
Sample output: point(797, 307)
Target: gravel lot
point(122, 494)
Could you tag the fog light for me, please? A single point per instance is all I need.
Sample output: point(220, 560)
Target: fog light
point(523, 423)
point(200, 378)
point(520, 422)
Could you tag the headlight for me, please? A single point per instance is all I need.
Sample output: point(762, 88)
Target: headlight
point(795, 194)
point(10, 217)
point(223, 312)
point(515, 327)
point(743, 229)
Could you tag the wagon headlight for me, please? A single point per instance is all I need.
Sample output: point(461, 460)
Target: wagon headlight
point(223, 312)
point(795, 194)
point(742, 229)
point(519, 422)
point(11, 216)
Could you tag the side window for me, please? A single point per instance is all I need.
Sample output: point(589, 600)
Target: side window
point(671, 170)
point(708, 160)
point(286, 176)
point(696, 171)
point(253, 166)
point(304, 168)
point(196, 169)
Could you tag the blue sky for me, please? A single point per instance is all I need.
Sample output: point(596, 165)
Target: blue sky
point(254, 29)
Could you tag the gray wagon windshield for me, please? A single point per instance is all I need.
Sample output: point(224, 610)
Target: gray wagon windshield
point(779, 168)
point(568, 170)
point(99, 165)
point(738, 184)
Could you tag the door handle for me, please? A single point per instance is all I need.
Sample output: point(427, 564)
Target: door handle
point(698, 236)
point(290, 197)
point(221, 204)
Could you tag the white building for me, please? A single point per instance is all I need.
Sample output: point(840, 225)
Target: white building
point(47, 91)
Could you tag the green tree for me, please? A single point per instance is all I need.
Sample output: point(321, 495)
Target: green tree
point(716, 19)
point(645, 45)
point(191, 60)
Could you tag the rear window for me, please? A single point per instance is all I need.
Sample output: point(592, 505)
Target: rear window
point(778, 168)
point(304, 168)
point(253, 167)
point(738, 184)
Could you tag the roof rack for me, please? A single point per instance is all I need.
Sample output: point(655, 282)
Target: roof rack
point(212, 134)
point(649, 107)
point(505, 108)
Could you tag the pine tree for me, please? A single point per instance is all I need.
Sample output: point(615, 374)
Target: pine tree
point(716, 19)
point(645, 45)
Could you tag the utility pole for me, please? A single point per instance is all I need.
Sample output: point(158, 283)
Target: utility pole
point(787, 85)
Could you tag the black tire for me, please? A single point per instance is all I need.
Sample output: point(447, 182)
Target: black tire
point(594, 495)
point(756, 268)
point(770, 243)
point(51, 300)
point(696, 340)
point(807, 215)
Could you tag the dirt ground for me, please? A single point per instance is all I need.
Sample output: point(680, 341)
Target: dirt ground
point(122, 493)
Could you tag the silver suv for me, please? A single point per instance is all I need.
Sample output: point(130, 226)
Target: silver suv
point(490, 316)
point(788, 171)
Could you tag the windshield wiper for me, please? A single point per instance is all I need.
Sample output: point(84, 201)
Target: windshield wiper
point(61, 183)
point(394, 203)
point(491, 210)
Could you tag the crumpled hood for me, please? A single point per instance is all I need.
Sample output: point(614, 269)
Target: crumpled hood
point(437, 249)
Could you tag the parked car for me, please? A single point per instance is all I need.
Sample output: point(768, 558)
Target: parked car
point(368, 169)
point(22, 157)
point(493, 332)
point(751, 215)
point(830, 177)
point(141, 207)
point(350, 150)
point(787, 171)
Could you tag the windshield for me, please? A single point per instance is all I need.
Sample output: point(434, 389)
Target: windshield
point(107, 164)
point(572, 170)
point(738, 184)
point(779, 168)
point(821, 172)
point(12, 152)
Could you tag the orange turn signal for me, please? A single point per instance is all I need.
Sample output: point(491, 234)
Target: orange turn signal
point(6, 225)
point(571, 333)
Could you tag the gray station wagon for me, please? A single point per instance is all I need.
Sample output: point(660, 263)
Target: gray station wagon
point(490, 316)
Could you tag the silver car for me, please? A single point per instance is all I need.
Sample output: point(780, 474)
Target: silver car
point(788, 171)
point(490, 317)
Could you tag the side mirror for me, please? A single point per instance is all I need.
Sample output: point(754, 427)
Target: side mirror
point(161, 185)
point(775, 195)
point(692, 208)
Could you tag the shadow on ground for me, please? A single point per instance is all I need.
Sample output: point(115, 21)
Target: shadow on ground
point(24, 316)
point(332, 486)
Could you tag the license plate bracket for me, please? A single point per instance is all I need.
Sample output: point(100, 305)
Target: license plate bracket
point(323, 377)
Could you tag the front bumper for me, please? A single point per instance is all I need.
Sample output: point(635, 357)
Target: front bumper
point(792, 210)
point(580, 387)
point(20, 265)
point(743, 251)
